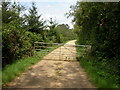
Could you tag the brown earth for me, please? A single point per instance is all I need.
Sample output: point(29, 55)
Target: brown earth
point(58, 69)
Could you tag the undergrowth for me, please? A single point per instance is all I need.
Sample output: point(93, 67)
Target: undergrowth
point(9, 72)
point(101, 73)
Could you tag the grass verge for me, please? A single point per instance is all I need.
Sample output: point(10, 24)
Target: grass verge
point(9, 72)
point(101, 74)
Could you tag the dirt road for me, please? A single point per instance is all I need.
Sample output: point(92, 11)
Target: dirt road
point(59, 69)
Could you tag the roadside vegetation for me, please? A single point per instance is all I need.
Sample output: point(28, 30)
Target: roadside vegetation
point(20, 31)
point(101, 74)
point(97, 24)
point(15, 69)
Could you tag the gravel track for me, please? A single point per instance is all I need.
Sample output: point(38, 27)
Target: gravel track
point(58, 69)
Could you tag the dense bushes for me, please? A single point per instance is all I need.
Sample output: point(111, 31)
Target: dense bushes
point(101, 74)
point(65, 33)
point(98, 24)
point(16, 42)
point(20, 31)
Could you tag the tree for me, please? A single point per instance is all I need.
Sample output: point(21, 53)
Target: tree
point(65, 33)
point(10, 11)
point(52, 23)
point(7, 13)
point(52, 30)
point(15, 41)
point(33, 21)
point(98, 24)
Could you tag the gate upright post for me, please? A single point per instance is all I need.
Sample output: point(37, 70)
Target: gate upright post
point(60, 54)
point(34, 47)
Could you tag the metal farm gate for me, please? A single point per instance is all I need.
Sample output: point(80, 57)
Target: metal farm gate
point(63, 52)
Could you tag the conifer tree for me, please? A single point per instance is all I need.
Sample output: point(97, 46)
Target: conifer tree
point(34, 21)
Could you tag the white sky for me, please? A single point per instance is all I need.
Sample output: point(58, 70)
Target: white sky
point(64, 0)
point(55, 9)
point(43, 0)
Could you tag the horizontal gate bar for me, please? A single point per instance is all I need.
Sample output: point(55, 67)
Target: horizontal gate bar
point(43, 47)
point(61, 44)
point(71, 60)
point(56, 53)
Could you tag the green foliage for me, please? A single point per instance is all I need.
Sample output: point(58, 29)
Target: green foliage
point(15, 42)
point(19, 66)
point(100, 73)
point(65, 33)
point(15, 69)
point(98, 24)
point(33, 22)
point(7, 13)
point(10, 11)
point(21, 31)
point(59, 32)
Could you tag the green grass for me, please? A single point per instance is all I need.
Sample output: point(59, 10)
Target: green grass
point(9, 72)
point(101, 74)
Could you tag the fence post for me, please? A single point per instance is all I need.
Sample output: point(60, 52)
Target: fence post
point(34, 47)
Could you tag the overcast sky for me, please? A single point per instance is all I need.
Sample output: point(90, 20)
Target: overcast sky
point(52, 8)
